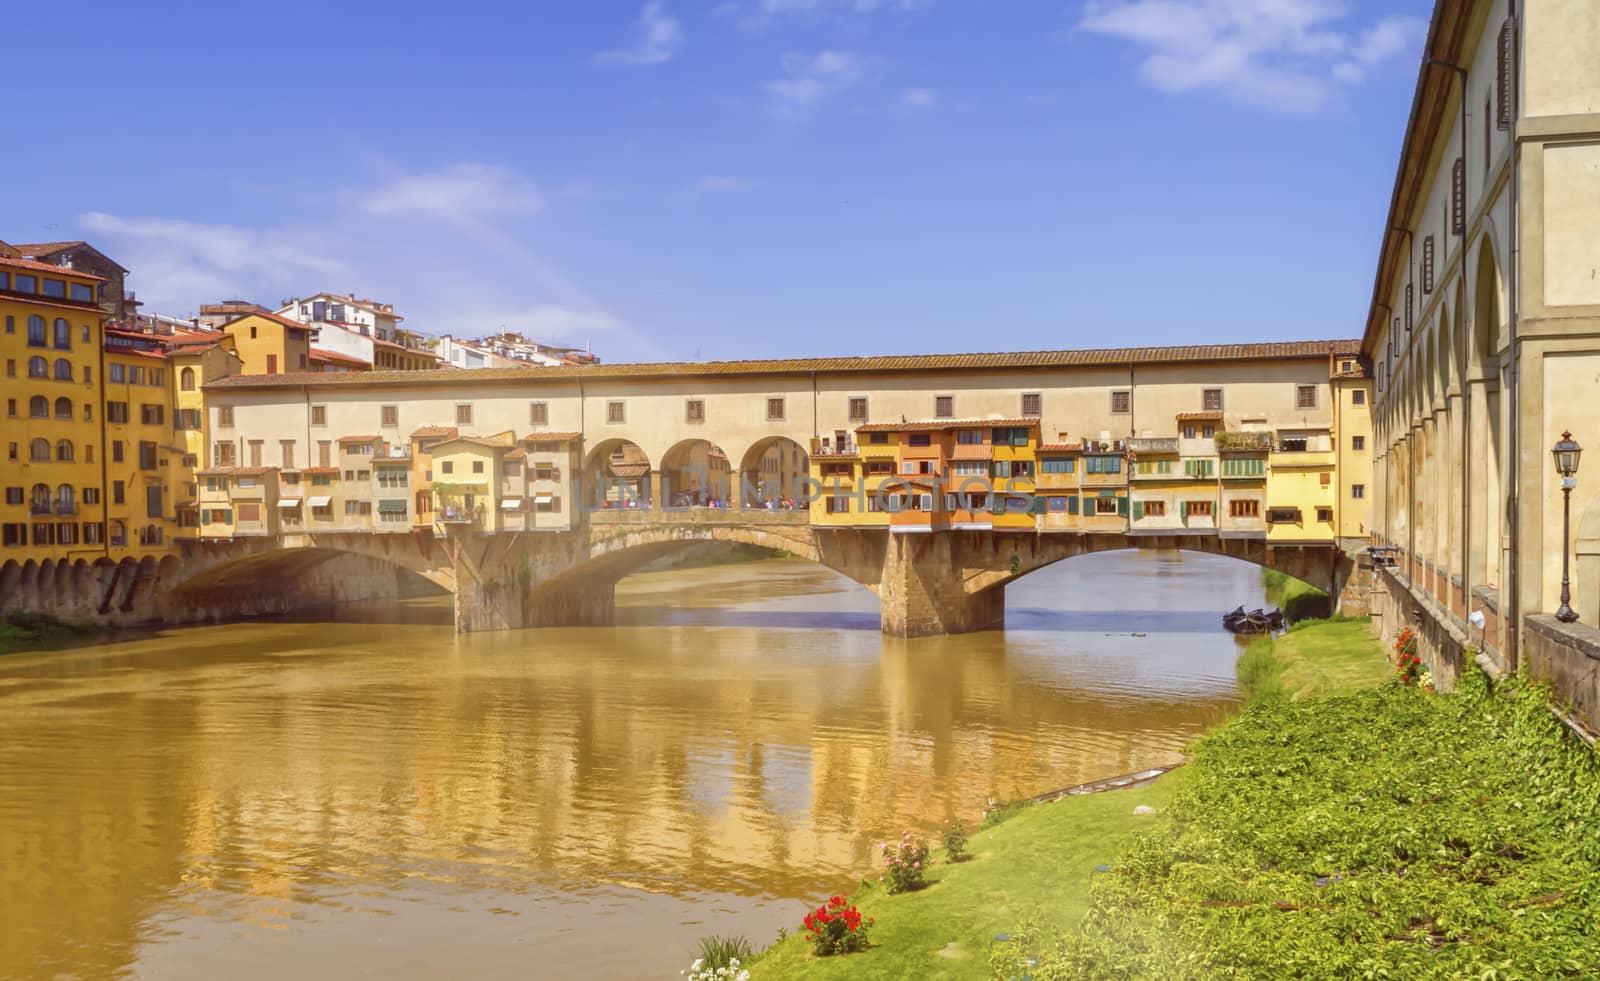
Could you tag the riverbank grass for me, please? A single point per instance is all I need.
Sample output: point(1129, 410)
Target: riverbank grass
point(1043, 858)
point(1314, 658)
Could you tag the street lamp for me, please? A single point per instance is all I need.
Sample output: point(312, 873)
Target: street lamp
point(1566, 453)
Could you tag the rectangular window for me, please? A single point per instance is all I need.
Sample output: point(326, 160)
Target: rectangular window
point(616, 413)
point(1199, 468)
point(774, 410)
point(858, 409)
point(969, 468)
point(147, 455)
point(389, 416)
point(324, 453)
point(919, 439)
point(225, 415)
point(1427, 264)
point(1155, 509)
point(286, 453)
point(116, 412)
point(1358, 397)
point(1292, 444)
point(1305, 396)
point(1325, 515)
point(255, 452)
point(1198, 509)
point(944, 406)
point(1358, 491)
point(1057, 465)
point(82, 293)
point(116, 451)
point(538, 413)
point(1211, 399)
point(1244, 466)
point(1244, 508)
point(1105, 505)
point(837, 505)
point(1358, 443)
point(1102, 464)
point(118, 492)
point(1121, 403)
point(464, 414)
point(1458, 196)
point(694, 410)
point(1032, 402)
point(151, 415)
point(1283, 516)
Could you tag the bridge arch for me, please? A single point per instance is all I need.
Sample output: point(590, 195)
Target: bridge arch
point(774, 470)
point(616, 474)
point(696, 472)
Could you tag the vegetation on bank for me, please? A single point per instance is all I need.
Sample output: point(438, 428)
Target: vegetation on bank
point(24, 631)
point(1314, 658)
point(1297, 599)
point(1043, 857)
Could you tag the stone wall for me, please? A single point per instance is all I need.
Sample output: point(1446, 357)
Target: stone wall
point(1566, 656)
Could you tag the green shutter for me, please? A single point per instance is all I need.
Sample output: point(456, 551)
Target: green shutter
point(391, 507)
point(1038, 506)
point(1183, 510)
point(1072, 504)
point(1138, 509)
point(1122, 506)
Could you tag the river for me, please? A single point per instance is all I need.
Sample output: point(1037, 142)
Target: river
point(388, 799)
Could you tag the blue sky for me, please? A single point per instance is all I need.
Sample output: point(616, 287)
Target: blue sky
point(740, 179)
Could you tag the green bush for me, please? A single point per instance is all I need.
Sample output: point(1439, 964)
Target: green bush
point(718, 951)
point(955, 841)
point(905, 864)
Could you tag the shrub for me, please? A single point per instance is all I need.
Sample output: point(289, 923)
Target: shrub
point(999, 812)
point(718, 951)
point(905, 864)
point(731, 971)
point(1407, 663)
point(836, 927)
point(955, 842)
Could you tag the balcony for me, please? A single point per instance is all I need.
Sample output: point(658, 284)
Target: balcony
point(66, 508)
point(1152, 446)
point(1245, 442)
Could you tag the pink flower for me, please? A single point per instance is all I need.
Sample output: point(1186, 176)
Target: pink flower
point(916, 865)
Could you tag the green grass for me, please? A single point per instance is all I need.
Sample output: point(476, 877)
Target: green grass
point(1386, 833)
point(1041, 859)
point(1315, 658)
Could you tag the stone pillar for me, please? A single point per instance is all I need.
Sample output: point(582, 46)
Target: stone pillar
point(921, 592)
point(489, 587)
point(656, 500)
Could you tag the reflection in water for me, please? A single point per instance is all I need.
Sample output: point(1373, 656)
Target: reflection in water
point(264, 799)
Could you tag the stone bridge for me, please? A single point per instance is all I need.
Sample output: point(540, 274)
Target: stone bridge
point(927, 583)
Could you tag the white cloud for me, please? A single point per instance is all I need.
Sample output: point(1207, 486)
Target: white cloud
point(809, 79)
point(464, 191)
point(1288, 56)
point(657, 37)
point(919, 98)
point(760, 13)
point(180, 264)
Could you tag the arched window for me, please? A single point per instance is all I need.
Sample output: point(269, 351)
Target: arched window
point(64, 451)
point(39, 451)
point(63, 408)
point(41, 498)
point(39, 407)
point(63, 334)
point(38, 367)
point(186, 379)
point(36, 333)
point(63, 370)
point(64, 504)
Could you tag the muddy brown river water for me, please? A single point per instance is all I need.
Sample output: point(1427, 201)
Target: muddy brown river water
point(387, 799)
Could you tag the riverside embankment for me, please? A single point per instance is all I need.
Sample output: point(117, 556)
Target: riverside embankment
point(1339, 827)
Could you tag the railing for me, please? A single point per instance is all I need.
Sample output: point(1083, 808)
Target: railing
point(1159, 445)
point(698, 516)
point(66, 508)
point(1247, 442)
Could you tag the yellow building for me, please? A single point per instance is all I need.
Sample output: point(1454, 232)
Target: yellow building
point(144, 474)
point(467, 482)
point(268, 344)
point(1352, 440)
point(194, 359)
point(1014, 461)
point(52, 335)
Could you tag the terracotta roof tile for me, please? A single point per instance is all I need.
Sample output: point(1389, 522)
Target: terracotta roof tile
point(358, 439)
point(321, 354)
point(332, 470)
point(922, 425)
point(1060, 447)
point(46, 267)
point(1199, 416)
point(551, 437)
point(423, 431)
point(268, 315)
point(1280, 351)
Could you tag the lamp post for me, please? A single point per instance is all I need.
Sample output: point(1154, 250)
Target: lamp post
point(1566, 453)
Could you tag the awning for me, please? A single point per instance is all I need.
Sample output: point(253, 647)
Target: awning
point(511, 504)
point(391, 507)
point(289, 502)
point(543, 499)
point(320, 502)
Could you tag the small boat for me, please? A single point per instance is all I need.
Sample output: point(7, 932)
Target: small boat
point(1254, 622)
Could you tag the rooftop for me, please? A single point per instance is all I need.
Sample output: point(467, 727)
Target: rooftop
point(1022, 360)
point(45, 267)
point(934, 424)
